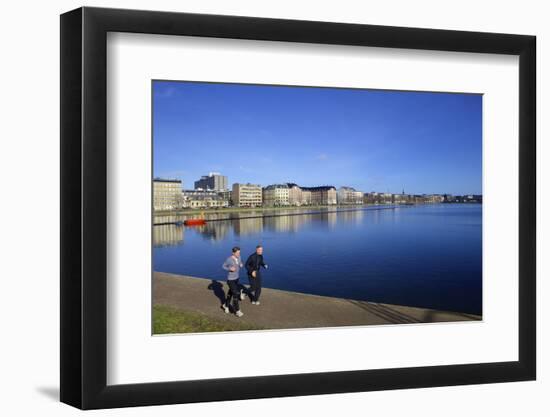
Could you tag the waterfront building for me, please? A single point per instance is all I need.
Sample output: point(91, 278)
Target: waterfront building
point(385, 198)
point(349, 195)
point(276, 195)
point(401, 198)
point(226, 195)
point(323, 195)
point(473, 198)
point(297, 196)
point(434, 198)
point(213, 181)
point(246, 195)
point(306, 198)
point(378, 198)
point(294, 194)
point(203, 199)
point(371, 198)
point(167, 194)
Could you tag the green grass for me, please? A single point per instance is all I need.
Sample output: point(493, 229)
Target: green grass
point(171, 320)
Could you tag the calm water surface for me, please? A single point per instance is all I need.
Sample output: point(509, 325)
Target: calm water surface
point(425, 256)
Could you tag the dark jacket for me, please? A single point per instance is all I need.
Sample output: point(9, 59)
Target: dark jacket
point(253, 263)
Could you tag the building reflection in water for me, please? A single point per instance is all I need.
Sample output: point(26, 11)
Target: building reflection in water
point(167, 235)
point(286, 224)
point(215, 230)
point(241, 224)
point(351, 216)
point(325, 220)
point(244, 227)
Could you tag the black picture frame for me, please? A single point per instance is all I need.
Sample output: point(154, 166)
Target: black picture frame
point(84, 207)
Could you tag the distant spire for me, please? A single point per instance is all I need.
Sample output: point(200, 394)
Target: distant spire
point(403, 191)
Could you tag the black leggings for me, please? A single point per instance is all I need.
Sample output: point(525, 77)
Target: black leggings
point(255, 287)
point(234, 292)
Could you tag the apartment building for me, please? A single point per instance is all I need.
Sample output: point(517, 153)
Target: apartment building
point(349, 195)
point(204, 199)
point(246, 195)
point(323, 195)
point(276, 195)
point(298, 196)
point(213, 181)
point(167, 194)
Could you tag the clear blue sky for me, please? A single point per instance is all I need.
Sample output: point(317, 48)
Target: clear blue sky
point(371, 140)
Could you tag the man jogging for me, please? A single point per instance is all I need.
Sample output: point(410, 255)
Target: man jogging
point(253, 265)
point(233, 265)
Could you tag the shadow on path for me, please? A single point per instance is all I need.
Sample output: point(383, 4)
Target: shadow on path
point(217, 288)
point(386, 313)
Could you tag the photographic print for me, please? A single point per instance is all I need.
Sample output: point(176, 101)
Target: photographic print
point(292, 207)
point(312, 187)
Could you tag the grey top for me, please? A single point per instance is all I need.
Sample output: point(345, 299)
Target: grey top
point(235, 262)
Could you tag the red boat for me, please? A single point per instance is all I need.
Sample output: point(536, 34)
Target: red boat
point(194, 222)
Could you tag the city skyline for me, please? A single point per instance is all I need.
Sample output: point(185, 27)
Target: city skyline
point(336, 186)
point(384, 141)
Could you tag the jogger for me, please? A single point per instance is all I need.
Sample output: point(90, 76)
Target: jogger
point(233, 265)
point(253, 265)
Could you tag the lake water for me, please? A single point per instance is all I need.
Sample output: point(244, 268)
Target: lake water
point(424, 256)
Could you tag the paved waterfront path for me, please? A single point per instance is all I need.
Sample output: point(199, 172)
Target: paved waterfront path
point(285, 309)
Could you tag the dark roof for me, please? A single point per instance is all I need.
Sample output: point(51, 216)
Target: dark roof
point(165, 180)
point(200, 191)
point(273, 186)
point(319, 188)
